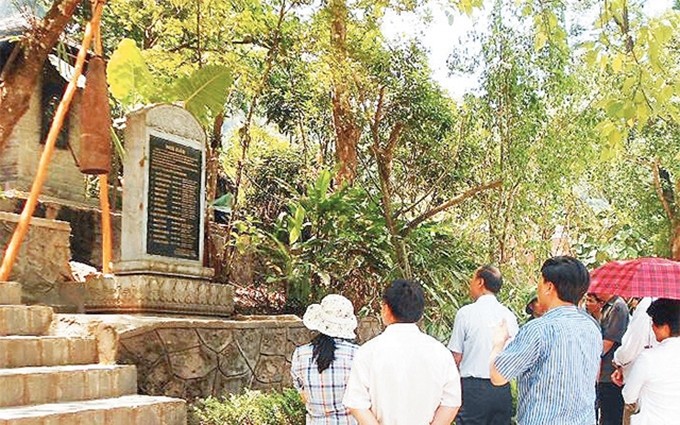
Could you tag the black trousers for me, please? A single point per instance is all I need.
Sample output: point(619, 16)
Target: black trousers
point(484, 403)
point(609, 403)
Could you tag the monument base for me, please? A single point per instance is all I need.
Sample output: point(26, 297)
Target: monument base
point(157, 293)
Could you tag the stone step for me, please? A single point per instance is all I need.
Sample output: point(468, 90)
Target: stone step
point(126, 410)
point(39, 385)
point(26, 351)
point(24, 320)
point(10, 293)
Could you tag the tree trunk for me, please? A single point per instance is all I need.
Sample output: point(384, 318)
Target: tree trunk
point(347, 132)
point(20, 73)
point(675, 241)
point(667, 194)
point(212, 165)
point(384, 161)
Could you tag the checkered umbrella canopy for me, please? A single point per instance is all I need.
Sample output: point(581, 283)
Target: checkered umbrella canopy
point(642, 277)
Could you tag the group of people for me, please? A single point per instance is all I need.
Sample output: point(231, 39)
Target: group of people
point(569, 364)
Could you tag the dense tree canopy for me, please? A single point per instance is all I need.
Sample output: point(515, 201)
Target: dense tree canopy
point(347, 163)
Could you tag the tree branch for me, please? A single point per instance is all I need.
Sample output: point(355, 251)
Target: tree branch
point(659, 191)
point(378, 116)
point(448, 204)
point(431, 190)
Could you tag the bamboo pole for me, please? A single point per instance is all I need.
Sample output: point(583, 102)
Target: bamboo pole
point(19, 234)
point(107, 236)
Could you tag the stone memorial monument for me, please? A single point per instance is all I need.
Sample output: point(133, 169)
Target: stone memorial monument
point(161, 262)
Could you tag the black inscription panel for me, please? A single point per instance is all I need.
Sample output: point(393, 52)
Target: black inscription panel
point(174, 214)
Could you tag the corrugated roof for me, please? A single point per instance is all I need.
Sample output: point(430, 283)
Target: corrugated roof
point(13, 25)
point(15, 16)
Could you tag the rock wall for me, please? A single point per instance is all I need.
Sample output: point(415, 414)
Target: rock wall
point(86, 234)
point(191, 358)
point(42, 265)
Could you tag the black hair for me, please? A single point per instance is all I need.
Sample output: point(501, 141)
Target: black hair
point(568, 275)
point(406, 300)
point(491, 277)
point(529, 308)
point(665, 311)
point(323, 351)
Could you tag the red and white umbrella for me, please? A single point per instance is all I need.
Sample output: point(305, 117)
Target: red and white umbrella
point(641, 277)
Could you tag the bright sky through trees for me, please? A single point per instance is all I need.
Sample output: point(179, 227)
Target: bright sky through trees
point(441, 35)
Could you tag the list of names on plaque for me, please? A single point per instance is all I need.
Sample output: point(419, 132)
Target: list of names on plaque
point(174, 203)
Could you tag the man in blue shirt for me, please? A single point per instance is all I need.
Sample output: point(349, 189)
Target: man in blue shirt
point(555, 358)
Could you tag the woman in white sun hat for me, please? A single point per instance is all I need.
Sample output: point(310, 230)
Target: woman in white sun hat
point(320, 369)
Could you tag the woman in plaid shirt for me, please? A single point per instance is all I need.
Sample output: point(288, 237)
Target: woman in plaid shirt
point(320, 369)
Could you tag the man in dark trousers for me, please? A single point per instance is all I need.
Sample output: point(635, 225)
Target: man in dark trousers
point(612, 313)
point(555, 358)
point(471, 344)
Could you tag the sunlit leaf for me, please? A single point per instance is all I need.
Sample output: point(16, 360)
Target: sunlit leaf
point(205, 91)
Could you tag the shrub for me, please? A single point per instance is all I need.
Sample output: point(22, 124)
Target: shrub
point(250, 408)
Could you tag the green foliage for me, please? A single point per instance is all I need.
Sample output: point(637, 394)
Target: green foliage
point(636, 63)
point(250, 408)
point(567, 117)
point(271, 178)
point(203, 92)
point(327, 241)
point(128, 76)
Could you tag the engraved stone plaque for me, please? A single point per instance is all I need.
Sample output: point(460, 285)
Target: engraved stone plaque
point(174, 199)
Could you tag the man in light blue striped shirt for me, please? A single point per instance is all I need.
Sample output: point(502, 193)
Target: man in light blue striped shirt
point(555, 358)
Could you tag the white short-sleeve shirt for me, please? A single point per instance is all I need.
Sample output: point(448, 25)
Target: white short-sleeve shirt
point(654, 383)
point(472, 334)
point(403, 376)
point(639, 335)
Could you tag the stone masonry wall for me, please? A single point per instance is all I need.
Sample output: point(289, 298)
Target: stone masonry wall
point(86, 232)
point(191, 358)
point(42, 265)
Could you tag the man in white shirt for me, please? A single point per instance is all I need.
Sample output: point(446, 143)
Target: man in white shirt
point(403, 376)
point(638, 336)
point(654, 380)
point(471, 344)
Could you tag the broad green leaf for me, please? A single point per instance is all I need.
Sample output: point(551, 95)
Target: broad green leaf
point(129, 79)
point(604, 61)
point(614, 108)
point(607, 154)
point(615, 138)
point(540, 40)
point(617, 63)
point(299, 215)
point(628, 84)
point(642, 113)
point(466, 6)
point(205, 91)
point(628, 110)
point(665, 94)
point(323, 182)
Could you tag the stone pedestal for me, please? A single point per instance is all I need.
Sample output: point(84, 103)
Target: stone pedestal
point(161, 264)
point(147, 293)
point(10, 293)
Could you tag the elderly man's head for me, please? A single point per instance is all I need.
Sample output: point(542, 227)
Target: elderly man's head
point(486, 279)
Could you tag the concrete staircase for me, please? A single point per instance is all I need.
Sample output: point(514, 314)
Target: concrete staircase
point(50, 380)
